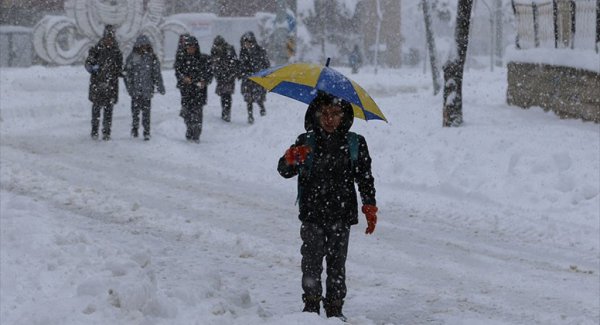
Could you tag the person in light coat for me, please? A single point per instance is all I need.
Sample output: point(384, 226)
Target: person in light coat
point(142, 78)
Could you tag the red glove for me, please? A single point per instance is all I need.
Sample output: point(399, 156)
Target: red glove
point(370, 212)
point(296, 155)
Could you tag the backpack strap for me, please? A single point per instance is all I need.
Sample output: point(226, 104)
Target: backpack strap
point(353, 147)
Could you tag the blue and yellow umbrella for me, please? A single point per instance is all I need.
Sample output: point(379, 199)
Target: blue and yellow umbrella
point(302, 81)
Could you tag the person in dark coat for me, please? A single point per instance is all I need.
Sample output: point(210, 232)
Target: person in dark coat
point(225, 70)
point(193, 73)
point(322, 160)
point(142, 78)
point(355, 59)
point(253, 58)
point(104, 63)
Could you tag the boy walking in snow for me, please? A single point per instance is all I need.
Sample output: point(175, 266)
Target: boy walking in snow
point(328, 160)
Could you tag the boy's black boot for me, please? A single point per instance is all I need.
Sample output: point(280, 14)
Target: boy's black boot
point(312, 304)
point(333, 308)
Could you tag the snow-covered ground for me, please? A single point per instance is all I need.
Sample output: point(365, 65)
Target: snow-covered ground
point(495, 222)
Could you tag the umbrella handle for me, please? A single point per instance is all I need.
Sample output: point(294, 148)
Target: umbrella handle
point(327, 63)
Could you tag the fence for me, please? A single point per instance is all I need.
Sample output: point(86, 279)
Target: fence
point(558, 24)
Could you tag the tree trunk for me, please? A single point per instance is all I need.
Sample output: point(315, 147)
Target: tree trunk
point(431, 47)
point(454, 67)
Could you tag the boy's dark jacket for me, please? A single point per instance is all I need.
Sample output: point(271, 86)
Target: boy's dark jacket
point(328, 193)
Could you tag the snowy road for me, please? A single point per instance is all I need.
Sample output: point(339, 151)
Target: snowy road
point(496, 222)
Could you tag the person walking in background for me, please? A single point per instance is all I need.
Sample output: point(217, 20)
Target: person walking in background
point(142, 77)
point(193, 73)
point(355, 59)
point(225, 70)
point(253, 58)
point(104, 63)
point(328, 160)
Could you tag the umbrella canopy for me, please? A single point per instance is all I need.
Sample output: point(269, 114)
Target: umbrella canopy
point(301, 81)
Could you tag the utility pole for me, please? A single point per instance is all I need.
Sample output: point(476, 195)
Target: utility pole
point(499, 33)
point(377, 32)
point(431, 47)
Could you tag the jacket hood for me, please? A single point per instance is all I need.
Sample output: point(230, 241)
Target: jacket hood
point(142, 40)
point(219, 41)
point(248, 37)
point(311, 122)
point(191, 41)
point(219, 45)
point(109, 31)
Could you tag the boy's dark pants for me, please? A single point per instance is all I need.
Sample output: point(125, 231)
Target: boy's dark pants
point(329, 241)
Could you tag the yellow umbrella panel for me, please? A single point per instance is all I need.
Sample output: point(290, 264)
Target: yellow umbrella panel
point(301, 81)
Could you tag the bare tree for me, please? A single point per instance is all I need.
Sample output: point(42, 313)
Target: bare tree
point(431, 46)
point(454, 67)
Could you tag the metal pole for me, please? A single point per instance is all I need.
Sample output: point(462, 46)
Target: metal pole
point(555, 22)
point(597, 25)
point(377, 35)
point(499, 33)
point(491, 34)
point(431, 46)
point(517, 45)
point(492, 44)
point(536, 26)
point(573, 23)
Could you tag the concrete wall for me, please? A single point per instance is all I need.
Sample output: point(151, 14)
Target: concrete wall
point(16, 47)
point(569, 92)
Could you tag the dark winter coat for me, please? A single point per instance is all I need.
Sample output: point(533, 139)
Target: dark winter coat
point(224, 65)
point(328, 194)
point(105, 64)
point(196, 67)
point(142, 73)
point(252, 60)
